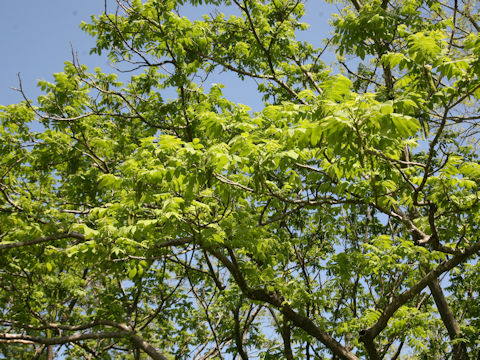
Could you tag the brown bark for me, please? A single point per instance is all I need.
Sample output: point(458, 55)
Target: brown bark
point(50, 352)
point(147, 348)
point(369, 343)
point(405, 296)
point(43, 239)
point(279, 303)
point(62, 339)
point(238, 333)
point(356, 4)
point(459, 350)
point(124, 332)
point(287, 342)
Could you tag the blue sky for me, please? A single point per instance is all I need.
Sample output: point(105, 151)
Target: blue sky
point(36, 36)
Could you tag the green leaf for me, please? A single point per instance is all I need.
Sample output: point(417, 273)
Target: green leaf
point(386, 109)
point(132, 273)
point(470, 169)
point(292, 154)
point(405, 125)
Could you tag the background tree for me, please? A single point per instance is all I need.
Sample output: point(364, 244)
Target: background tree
point(159, 219)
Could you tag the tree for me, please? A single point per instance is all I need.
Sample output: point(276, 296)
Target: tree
point(339, 222)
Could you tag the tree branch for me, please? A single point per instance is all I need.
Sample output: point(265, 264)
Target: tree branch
point(62, 339)
point(238, 332)
point(42, 239)
point(453, 329)
point(125, 331)
point(404, 297)
point(282, 305)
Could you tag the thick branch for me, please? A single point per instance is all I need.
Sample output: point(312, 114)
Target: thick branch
point(147, 348)
point(369, 344)
point(281, 304)
point(356, 4)
point(459, 349)
point(238, 333)
point(62, 339)
point(124, 332)
point(43, 239)
point(287, 342)
point(447, 316)
point(405, 296)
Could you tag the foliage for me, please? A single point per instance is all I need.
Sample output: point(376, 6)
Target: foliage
point(160, 219)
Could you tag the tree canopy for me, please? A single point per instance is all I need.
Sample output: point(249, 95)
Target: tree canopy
point(158, 219)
